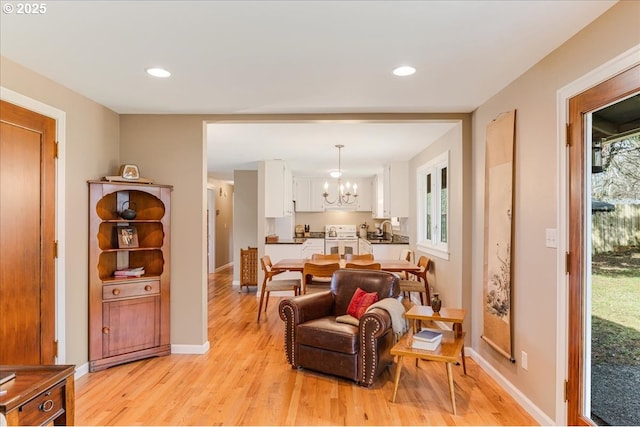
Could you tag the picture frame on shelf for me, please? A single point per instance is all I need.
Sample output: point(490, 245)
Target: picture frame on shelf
point(127, 237)
point(130, 172)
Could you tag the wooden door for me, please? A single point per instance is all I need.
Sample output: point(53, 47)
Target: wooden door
point(608, 92)
point(27, 233)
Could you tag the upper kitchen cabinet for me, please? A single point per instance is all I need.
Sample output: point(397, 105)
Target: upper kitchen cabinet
point(308, 194)
point(278, 189)
point(391, 191)
point(365, 201)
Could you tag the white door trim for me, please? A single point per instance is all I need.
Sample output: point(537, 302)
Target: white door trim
point(60, 118)
point(611, 68)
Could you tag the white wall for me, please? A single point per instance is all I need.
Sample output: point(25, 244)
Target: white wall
point(245, 215)
point(171, 150)
point(536, 202)
point(446, 274)
point(91, 151)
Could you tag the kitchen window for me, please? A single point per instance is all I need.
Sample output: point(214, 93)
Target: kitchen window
point(433, 206)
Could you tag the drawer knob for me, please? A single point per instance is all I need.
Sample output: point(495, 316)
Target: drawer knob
point(116, 291)
point(105, 330)
point(47, 405)
point(147, 288)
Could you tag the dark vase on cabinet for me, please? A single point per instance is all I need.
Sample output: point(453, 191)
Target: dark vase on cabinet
point(128, 315)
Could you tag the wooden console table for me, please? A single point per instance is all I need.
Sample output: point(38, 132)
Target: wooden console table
point(451, 346)
point(38, 395)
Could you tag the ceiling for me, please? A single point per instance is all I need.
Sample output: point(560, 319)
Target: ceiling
point(616, 120)
point(269, 57)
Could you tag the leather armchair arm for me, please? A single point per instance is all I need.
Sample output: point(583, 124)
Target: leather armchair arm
point(296, 310)
point(376, 339)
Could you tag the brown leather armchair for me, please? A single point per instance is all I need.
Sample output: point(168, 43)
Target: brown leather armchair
point(315, 340)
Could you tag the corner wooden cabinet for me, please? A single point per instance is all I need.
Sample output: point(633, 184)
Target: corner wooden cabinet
point(128, 316)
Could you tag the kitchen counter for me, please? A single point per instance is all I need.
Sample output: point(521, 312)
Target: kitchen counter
point(388, 240)
point(371, 238)
point(297, 240)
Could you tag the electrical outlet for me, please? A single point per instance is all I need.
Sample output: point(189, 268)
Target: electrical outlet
point(524, 361)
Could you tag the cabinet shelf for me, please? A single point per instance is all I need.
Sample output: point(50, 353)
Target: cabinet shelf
point(150, 235)
point(129, 221)
point(132, 249)
point(145, 277)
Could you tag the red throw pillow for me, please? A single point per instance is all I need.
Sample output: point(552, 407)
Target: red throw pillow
point(360, 301)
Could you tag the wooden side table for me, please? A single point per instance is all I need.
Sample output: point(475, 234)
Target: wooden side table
point(455, 316)
point(451, 346)
point(38, 395)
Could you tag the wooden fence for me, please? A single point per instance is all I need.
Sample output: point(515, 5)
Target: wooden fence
point(616, 230)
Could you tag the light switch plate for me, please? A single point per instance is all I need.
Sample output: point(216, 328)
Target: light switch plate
point(552, 238)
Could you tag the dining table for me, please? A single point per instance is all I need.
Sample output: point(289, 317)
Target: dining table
point(393, 265)
point(297, 265)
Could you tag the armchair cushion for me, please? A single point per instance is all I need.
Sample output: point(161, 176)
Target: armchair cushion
point(360, 301)
point(330, 335)
point(349, 319)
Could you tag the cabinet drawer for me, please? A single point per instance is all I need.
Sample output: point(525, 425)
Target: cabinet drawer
point(44, 407)
point(135, 289)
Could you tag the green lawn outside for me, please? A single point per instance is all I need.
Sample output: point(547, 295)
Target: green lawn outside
point(615, 310)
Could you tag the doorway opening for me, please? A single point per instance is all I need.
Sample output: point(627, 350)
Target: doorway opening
point(612, 368)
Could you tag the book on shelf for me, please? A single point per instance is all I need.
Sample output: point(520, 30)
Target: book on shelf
point(426, 345)
point(427, 335)
point(129, 272)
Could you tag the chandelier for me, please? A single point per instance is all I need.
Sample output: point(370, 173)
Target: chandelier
point(344, 196)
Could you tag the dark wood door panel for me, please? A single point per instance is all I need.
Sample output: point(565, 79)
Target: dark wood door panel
point(27, 233)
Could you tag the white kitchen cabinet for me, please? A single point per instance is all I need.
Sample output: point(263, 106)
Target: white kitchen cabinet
point(278, 251)
point(364, 247)
point(312, 246)
point(364, 194)
point(308, 194)
point(387, 250)
point(278, 189)
point(391, 191)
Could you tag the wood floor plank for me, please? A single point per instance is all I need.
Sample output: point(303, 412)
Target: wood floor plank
point(244, 380)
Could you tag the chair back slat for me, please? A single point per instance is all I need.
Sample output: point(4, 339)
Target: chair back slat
point(364, 265)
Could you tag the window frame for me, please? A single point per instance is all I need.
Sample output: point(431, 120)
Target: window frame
point(433, 245)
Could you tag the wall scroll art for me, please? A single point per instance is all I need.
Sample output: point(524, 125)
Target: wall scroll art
point(498, 204)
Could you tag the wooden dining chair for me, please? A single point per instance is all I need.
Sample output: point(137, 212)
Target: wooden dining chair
point(269, 285)
point(419, 282)
point(363, 257)
point(318, 275)
point(405, 254)
point(364, 265)
point(330, 257)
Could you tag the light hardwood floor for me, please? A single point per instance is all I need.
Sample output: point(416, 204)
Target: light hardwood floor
point(244, 380)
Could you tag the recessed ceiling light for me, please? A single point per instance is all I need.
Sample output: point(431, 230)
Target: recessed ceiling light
point(403, 71)
point(158, 72)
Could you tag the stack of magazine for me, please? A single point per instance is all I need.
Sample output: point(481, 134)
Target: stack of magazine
point(426, 340)
point(129, 272)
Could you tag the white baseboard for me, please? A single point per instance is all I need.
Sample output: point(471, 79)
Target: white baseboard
point(542, 418)
point(223, 267)
point(190, 349)
point(81, 370)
